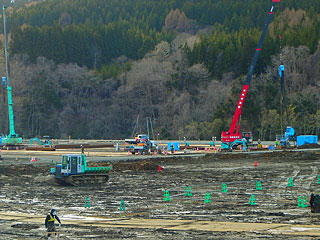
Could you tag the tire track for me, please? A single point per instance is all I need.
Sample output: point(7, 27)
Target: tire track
point(312, 177)
point(283, 183)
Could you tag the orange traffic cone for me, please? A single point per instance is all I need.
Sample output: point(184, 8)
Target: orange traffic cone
point(33, 159)
point(256, 163)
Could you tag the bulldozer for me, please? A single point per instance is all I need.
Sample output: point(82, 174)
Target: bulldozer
point(74, 171)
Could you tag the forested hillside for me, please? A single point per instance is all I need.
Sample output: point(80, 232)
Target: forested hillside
point(88, 68)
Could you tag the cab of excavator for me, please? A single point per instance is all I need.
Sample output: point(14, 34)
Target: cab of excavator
point(71, 164)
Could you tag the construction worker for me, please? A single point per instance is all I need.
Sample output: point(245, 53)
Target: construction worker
point(259, 144)
point(82, 149)
point(49, 223)
point(172, 148)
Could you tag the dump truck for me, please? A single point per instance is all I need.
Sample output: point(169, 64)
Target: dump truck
point(74, 171)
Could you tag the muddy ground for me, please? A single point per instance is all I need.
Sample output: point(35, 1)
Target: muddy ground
point(28, 189)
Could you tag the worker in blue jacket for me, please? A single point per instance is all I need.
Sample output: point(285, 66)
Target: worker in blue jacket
point(49, 223)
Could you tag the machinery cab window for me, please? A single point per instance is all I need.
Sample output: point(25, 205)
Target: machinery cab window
point(65, 162)
point(74, 163)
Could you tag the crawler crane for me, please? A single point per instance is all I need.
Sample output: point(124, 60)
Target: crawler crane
point(13, 138)
point(233, 137)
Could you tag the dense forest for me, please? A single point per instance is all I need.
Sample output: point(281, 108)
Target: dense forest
point(88, 68)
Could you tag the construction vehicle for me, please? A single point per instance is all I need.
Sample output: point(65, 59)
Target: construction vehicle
point(228, 138)
point(248, 137)
point(13, 138)
point(45, 143)
point(141, 144)
point(40, 145)
point(288, 139)
point(234, 145)
point(74, 171)
point(139, 138)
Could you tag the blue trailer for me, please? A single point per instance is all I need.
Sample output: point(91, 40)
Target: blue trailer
point(307, 139)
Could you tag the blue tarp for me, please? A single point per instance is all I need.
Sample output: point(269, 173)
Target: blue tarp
point(176, 146)
point(307, 139)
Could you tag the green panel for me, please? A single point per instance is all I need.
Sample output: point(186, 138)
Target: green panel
point(10, 110)
point(98, 169)
point(11, 140)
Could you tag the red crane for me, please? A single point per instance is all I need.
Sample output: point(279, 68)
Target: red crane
point(233, 133)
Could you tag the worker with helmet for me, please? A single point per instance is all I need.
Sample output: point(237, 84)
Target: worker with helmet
point(49, 223)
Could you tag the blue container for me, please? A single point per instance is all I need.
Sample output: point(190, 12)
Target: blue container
point(176, 146)
point(307, 139)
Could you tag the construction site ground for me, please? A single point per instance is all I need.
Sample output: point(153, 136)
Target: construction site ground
point(28, 192)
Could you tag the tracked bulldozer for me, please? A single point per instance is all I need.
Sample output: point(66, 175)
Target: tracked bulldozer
point(74, 171)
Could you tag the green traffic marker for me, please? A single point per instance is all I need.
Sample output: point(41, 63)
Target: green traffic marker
point(258, 185)
point(166, 196)
point(302, 202)
point(207, 198)
point(252, 200)
point(224, 188)
point(290, 182)
point(188, 192)
point(87, 203)
point(122, 206)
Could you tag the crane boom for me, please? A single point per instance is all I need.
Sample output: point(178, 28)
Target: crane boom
point(12, 138)
point(233, 133)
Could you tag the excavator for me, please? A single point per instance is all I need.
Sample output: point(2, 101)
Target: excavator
point(45, 143)
point(232, 138)
point(13, 138)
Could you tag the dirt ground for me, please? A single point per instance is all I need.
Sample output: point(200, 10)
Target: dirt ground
point(28, 192)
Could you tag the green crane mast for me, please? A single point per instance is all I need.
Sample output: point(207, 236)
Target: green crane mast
point(12, 138)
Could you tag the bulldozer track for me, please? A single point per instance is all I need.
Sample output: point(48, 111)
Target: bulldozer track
point(84, 180)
